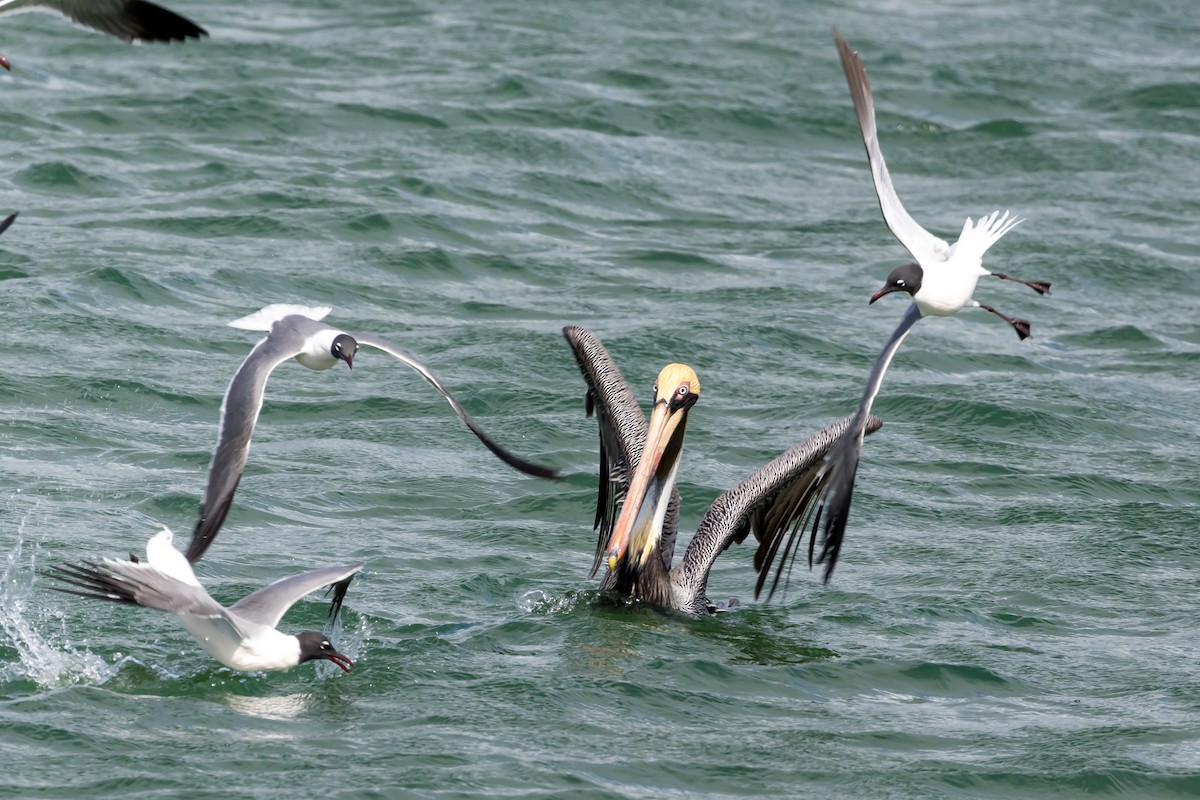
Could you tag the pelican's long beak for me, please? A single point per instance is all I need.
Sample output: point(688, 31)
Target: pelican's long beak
point(640, 522)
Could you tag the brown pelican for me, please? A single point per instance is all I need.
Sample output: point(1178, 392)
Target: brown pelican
point(637, 510)
point(126, 19)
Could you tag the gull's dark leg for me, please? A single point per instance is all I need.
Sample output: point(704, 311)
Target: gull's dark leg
point(1041, 287)
point(1019, 325)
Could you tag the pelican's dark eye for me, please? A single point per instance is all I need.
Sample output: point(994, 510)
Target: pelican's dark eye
point(656, 388)
point(683, 390)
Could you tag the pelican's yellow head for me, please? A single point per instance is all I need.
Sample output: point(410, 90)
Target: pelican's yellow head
point(675, 383)
point(639, 526)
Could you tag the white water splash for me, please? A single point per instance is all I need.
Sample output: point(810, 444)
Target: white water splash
point(47, 659)
point(352, 644)
point(538, 602)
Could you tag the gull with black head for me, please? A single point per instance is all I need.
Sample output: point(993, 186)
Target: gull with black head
point(244, 636)
point(131, 20)
point(297, 332)
point(941, 282)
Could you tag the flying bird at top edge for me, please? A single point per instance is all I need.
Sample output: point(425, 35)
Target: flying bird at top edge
point(297, 332)
point(637, 508)
point(131, 20)
point(941, 282)
point(244, 636)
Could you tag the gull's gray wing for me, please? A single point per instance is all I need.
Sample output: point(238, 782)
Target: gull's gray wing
point(7, 221)
point(268, 605)
point(622, 433)
point(125, 19)
point(923, 245)
point(528, 467)
point(239, 413)
point(135, 583)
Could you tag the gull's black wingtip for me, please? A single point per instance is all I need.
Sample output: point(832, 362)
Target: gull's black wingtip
point(516, 462)
point(89, 580)
point(152, 23)
point(8, 221)
point(521, 465)
point(339, 590)
point(835, 522)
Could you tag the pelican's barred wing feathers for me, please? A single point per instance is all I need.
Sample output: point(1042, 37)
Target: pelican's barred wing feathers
point(622, 433)
point(772, 503)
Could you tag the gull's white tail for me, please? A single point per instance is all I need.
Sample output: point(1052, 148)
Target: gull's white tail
point(264, 318)
point(977, 237)
point(162, 556)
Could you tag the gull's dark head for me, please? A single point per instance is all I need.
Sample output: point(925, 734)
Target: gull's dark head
point(314, 645)
point(344, 347)
point(906, 278)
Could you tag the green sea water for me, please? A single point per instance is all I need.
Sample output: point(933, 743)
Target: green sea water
point(1015, 612)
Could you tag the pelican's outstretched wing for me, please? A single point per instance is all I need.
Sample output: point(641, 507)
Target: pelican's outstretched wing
point(622, 434)
point(774, 503)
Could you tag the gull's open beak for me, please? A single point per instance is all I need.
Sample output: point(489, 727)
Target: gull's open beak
point(4, 63)
point(342, 661)
point(664, 421)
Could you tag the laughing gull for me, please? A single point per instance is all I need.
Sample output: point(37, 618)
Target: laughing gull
point(941, 282)
point(296, 332)
point(943, 278)
point(7, 221)
point(126, 19)
point(243, 636)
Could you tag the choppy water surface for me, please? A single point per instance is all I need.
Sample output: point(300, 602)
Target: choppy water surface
point(1015, 612)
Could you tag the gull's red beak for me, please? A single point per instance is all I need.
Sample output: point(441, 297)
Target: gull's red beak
point(885, 290)
point(342, 661)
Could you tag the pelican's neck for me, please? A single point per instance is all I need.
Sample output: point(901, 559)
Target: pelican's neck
point(648, 528)
point(644, 574)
